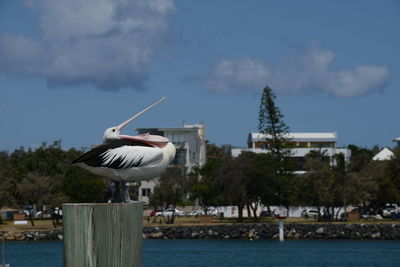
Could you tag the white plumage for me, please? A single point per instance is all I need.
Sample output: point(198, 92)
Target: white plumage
point(133, 156)
point(128, 163)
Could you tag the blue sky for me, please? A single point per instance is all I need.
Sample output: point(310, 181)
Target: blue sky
point(71, 69)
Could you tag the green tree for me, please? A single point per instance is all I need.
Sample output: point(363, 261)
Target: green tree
point(260, 172)
point(372, 184)
point(270, 122)
point(204, 183)
point(318, 181)
point(389, 182)
point(254, 179)
point(234, 184)
point(169, 190)
point(339, 177)
point(360, 158)
point(4, 182)
point(19, 170)
point(362, 187)
point(35, 189)
point(81, 186)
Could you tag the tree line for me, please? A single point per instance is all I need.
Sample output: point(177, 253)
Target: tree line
point(45, 177)
point(271, 178)
point(252, 179)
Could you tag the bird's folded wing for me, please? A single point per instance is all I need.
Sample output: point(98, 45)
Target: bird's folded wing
point(121, 157)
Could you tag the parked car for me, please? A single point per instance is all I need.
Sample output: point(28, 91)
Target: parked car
point(373, 217)
point(213, 211)
point(210, 211)
point(169, 212)
point(363, 210)
point(195, 213)
point(154, 212)
point(310, 213)
point(390, 210)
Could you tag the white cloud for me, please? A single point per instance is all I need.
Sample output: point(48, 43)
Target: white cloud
point(298, 71)
point(240, 74)
point(104, 43)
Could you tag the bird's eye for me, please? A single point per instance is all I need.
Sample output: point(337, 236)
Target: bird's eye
point(113, 130)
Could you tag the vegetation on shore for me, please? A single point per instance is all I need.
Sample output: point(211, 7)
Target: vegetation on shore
point(271, 178)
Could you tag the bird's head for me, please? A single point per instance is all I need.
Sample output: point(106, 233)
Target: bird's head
point(114, 133)
point(111, 134)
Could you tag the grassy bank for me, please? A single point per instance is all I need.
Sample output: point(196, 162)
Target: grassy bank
point(42, 225)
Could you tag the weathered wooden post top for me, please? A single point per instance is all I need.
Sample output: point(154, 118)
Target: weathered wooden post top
point(103, 234)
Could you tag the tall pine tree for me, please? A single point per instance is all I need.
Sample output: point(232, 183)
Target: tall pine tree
point(270, 122)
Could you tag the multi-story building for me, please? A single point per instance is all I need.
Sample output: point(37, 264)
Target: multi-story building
point(300, 144)
point(190, 144)
point(295, 140)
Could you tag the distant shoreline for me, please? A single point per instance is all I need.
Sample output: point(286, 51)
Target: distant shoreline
point(246, 231)
point(270, 231)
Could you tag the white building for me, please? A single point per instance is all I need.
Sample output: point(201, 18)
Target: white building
point(384, 154)
point(301, 143)
point(190, 146)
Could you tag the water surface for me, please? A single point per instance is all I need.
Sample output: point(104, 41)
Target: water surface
point(229, 253)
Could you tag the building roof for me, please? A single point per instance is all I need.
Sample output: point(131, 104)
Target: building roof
point(384, 154)
point(185, 128)
point(298, 137)
point(298, 152)
point(396, 139)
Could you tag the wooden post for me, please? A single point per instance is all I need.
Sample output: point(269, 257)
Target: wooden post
point(281, 232)
point(103, 234)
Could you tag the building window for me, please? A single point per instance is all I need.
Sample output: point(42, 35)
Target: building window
point(175, 137)
point(302, 144)
point(180, 157)
point(320, 145)
point(146, 192)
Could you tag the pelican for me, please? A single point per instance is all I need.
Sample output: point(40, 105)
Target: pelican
point(124, 158)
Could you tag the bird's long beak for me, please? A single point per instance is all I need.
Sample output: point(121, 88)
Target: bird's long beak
point(122, 125)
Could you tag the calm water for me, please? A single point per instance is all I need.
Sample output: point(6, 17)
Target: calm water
point(229, 253)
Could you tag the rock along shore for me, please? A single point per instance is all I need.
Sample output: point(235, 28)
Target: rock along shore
point(245, 231)
point(270, 231)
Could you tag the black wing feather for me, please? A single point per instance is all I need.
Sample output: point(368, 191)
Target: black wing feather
point(94, 157)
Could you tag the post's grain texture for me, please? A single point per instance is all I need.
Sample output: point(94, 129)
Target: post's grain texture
point(103, 235)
